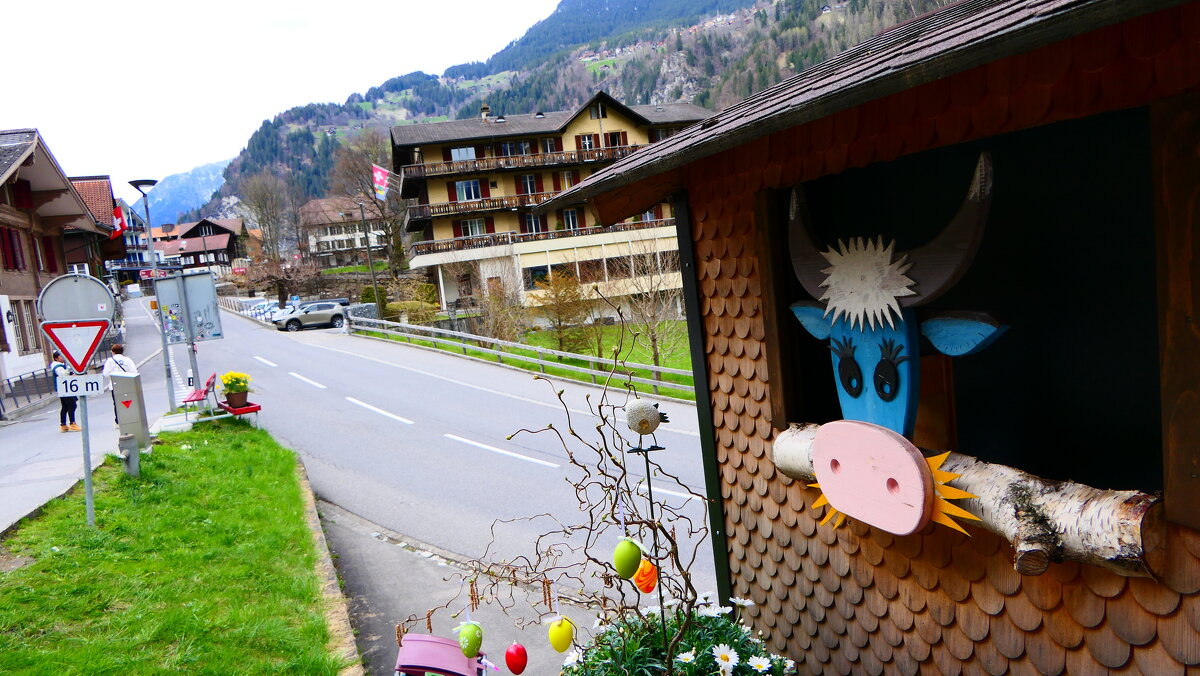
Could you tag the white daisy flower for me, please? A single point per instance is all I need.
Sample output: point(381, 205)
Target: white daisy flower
point(572, 659)
point(686, 658)
point(789, 667)
point(713, 611)
point(671, 603)
point(727, 658)
point(705, 598)
point(760, 664)
point(653, 610)
point(741, 603)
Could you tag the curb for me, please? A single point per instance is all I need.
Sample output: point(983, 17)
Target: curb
point(337, 610)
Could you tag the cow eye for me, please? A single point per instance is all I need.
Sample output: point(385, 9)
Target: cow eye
point(849, 373)
point(887, 375)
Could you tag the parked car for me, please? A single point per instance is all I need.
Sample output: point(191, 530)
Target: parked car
point(322, 313)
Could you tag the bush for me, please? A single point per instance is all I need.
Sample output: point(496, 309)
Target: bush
point(368, 295)
point(419, 312)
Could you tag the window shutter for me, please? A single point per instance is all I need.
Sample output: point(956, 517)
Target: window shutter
point(481, 152)
point(558, 144)
point(624, 138)
point(539, 187)
point(490, 225)
point(6, 249)
point(50, 254)
point(18, 250)
point(23, 194)
point(484, 192)
point(446, 157)
point(558, 218)
point(557, 182)
point(574, 177)
point(579, 142)
point(533, 146)
point(595, 140)
point(543, 218)
point(457, 228)
point(451, 194)
point(658, 212)
point(519, 183)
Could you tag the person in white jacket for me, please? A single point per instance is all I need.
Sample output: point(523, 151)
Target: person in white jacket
point(117, 363)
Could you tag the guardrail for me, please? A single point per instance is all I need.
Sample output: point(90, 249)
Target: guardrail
point(468, 342)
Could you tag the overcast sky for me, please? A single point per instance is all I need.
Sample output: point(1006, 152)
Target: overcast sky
point(152, 88)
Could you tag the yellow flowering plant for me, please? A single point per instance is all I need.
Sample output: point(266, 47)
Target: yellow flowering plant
point(234, 381)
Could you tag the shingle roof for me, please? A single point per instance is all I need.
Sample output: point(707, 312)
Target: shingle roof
point(194, 244)
point(526, 125)
point(96, 192)
point(956, 38)
point(328, 210)
point(15, 145)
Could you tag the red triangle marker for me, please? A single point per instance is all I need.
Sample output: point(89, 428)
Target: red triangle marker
point(77, 340)
point(127, 402)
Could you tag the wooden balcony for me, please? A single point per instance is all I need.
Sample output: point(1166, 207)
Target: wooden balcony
point(507, 238)
point(488, 164)
point(420, 212)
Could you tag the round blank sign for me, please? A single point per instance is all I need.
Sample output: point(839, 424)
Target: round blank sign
point(71, 297)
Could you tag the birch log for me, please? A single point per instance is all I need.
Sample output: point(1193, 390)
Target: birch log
point(1044, 520)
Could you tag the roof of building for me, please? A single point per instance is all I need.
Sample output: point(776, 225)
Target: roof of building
point(194, 244)
point(15, 146)
point(958, 37)
point(538, 123)
point(173, 230)
point(96, 192)
point(23, 152)
point(326, 210)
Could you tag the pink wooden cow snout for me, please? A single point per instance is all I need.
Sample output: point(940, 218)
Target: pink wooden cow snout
point(873, 474)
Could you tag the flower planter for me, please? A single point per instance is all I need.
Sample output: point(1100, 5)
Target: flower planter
point(236, 399)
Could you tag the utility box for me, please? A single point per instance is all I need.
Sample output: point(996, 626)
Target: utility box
point(131, 407)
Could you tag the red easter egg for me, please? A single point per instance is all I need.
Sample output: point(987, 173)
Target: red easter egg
point(516, 658)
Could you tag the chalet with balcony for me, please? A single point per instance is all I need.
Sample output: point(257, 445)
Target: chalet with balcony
point(209, 244)
point(333, 234)
point(476, 184)
point(37, 201)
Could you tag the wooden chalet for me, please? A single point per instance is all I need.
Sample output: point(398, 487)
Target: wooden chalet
point(1031, 166)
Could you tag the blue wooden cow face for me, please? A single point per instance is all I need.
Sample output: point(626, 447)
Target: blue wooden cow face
point(867, 295)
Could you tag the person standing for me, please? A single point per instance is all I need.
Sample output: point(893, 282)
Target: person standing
point(66, 405)
point(117, 363)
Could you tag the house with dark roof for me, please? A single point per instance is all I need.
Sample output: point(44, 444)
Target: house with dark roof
point(476, 182)
point(209, 244)
point(37, 202)
point(333, 233)
point(984, 221)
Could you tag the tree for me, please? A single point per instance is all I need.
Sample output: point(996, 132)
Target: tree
point(566, 304)
point(655, 299)
point(284, 277)
point(502, 311)
point(265, 203)
point(352, 177)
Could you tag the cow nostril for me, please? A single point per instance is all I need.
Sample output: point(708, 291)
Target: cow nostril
point(893, 486)
point(835, 466)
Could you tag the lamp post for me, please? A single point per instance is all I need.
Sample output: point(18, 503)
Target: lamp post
point(143, 186)
point(370, 265)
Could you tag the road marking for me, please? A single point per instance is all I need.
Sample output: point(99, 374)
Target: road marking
point(380, 411)
point(310, 382)
point(501, 451)
point(555, 404)
point(268, 363)
point(685, 496)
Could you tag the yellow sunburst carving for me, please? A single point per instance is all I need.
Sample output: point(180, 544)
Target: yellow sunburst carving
point(942, 512)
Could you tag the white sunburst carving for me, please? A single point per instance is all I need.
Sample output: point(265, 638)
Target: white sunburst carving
point(863, 284)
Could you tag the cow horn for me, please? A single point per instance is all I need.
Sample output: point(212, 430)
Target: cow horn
point(938, 265)
point(807, 261)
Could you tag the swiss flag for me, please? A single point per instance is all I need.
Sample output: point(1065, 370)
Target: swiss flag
point(119, 225)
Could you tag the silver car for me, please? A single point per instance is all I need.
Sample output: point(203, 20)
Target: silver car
point(315, 314)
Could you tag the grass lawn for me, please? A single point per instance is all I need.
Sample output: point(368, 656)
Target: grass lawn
point(202, 565)
point(379, 265)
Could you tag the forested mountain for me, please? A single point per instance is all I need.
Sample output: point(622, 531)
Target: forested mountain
point(709, 52)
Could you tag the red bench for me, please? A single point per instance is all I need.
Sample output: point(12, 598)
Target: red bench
point(201, 394)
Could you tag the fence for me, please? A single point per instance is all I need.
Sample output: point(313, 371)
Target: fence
point(467, 343)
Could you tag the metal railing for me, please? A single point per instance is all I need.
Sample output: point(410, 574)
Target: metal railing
point(506, 238)
point(467, 343)
point(28, 389)
point(485, 164)
point(427, 211)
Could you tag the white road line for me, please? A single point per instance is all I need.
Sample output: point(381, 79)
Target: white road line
point(380, 411)
point(501, 451)
point(549, 404)
point(685, 496)
point(310, 382)
point(268, 363)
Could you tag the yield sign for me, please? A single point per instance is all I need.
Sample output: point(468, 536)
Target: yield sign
point(77, 340)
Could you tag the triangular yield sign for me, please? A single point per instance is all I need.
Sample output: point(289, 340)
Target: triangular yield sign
point(126, 402)
point(76, 340)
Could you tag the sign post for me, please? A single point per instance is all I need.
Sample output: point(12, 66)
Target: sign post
point(76, 312)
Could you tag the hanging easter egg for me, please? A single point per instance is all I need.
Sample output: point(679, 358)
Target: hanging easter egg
point(562, 634)
point(626, 557)
point(646, 577)
point(516, 658)
point(470, 637)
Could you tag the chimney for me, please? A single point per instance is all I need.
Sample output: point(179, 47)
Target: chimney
point(485, 111)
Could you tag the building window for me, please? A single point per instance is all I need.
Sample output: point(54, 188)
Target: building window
point(11, 249)
point(464, 286)
point(570, 219)
point(457, 154)
point(509, 148)
point(23, 315)
point(78, 268)
point(659, 135)
point(38, 255)
point(473, 226)
point(597, 111)
point(613, 139)
point(528, 184)
point(533, 223)
point(567, 178)
point(585, 142)
point(534, 275)
point(468, 190)
point(549, 145)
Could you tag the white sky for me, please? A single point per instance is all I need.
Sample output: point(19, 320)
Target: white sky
point(157, 87)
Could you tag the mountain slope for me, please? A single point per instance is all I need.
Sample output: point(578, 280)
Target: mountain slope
point(179, 194)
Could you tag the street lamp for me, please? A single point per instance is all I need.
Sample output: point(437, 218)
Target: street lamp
point(370, 265)
point(143, 186)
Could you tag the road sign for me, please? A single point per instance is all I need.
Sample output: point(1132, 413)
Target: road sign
point(81, 386)
point(74, 298)
point(77, 340)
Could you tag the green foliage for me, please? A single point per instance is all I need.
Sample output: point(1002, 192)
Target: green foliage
point(368, 295)
point(635, 644)
point(160, 584)
point(419, 312)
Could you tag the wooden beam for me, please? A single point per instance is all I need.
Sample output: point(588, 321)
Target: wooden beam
point(43, 197)
point(1175, 133)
